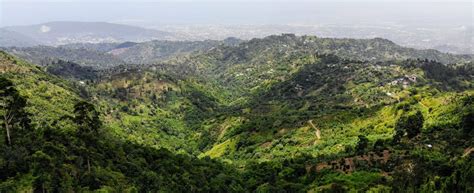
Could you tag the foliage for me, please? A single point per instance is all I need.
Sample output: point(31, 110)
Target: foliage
point(12, 110)
point(410, 124)
point(278, 114)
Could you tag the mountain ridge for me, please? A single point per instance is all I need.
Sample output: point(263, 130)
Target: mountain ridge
point(65, 32)
point(162, 51)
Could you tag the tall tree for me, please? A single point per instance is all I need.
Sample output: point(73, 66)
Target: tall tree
point(12, 108)
point(87, 119)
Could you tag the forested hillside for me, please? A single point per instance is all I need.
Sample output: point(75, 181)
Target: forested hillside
point(109, 55)
point(231, 51)
point(44, 55)
point(278, 114)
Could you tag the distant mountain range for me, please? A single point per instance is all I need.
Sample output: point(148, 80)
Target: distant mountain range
point(107, 55)
point(66, 32)
point(453, 40)
point(10, 38)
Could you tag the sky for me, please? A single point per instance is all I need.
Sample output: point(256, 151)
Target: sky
point(186, 12)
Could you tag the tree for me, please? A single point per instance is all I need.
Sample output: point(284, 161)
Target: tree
point(87, 119)
point(42, 168)
point(12, 108)
point(414, 123)
point(467, 119)
point(409, 124)
point(362, 144)
point(467, 122)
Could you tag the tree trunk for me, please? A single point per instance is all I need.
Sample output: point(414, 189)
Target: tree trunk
point(6, 121)
point(88, 165)
point(7, 127)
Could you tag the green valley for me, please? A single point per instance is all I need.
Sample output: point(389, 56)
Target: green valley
point(283, 113)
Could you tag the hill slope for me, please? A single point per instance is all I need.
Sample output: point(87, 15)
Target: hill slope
point(267, 115)
point(61, 145)
point(44, 55)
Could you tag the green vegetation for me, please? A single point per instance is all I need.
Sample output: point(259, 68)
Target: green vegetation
point(278, 114)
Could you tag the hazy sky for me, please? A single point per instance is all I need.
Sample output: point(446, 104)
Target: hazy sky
point(141, 12)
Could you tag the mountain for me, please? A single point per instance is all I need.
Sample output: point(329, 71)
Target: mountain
point(10, 39)
point(99, 47)
point(278, 114)
point(44, 55)
point(65, 32)
point(319, 116)
point(453, 39)
point(106, 55)
point(244, 67)
point(156, 51)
